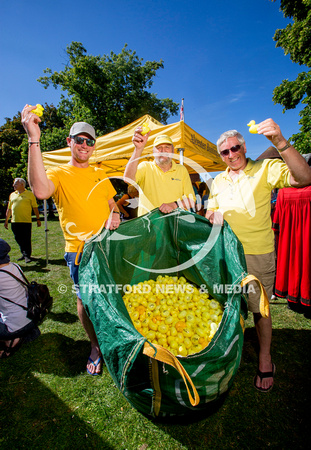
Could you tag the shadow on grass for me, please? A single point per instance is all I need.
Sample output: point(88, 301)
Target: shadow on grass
point(39, 264)
point(57, 354)
point(31, 414)
point(247, 418)
point(64, 317)
point(49, 424)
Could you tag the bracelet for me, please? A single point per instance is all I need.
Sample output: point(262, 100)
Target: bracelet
point(116, 212)
point(288, 144)
point(30, 143)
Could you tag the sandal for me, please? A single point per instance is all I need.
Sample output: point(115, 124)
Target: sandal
point(96, 364)
point(10, 349)
point(263, 375)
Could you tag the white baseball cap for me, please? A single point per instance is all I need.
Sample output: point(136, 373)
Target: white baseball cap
point(82, 127)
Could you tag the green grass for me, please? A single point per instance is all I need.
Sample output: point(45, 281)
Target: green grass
point(48, 401)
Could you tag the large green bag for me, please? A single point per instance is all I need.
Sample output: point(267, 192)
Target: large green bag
point(185, 244)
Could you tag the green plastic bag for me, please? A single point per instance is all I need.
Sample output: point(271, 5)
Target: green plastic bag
point(178, 244)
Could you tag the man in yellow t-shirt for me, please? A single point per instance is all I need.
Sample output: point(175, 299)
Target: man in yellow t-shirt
point(84, 199)
point(241, 195)
point(21, 204)
point(163, 183)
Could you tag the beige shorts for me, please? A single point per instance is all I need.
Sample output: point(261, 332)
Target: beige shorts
point(263, 267)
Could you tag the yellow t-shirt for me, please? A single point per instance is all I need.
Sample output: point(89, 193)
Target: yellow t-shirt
point(245, 202)
point(22, 205)
point(81, 197)
point(161, 187)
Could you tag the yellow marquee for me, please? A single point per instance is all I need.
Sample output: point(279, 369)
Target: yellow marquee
point(114, 149)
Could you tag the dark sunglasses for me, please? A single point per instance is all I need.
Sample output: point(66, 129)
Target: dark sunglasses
point(233, 149)
point(79, 140)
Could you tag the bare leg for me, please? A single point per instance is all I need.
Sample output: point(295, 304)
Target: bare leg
point(11, 347)
point(89, 329)
point(264, 334)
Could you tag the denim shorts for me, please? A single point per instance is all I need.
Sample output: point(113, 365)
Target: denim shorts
point(70, 258)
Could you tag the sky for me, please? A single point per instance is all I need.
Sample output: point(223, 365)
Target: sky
point(219, 56)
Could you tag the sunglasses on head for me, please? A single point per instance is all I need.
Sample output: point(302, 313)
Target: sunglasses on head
point(233, 149)
point(79, 140)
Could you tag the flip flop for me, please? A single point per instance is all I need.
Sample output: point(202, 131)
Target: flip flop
point(95, 364)
point(263, 375)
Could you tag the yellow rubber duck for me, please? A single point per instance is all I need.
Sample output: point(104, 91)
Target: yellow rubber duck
point(145, 129)
point(38, 110)
point(252, 127)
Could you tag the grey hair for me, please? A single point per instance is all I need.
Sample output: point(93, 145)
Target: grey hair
point(21, 180)
point(229, 134)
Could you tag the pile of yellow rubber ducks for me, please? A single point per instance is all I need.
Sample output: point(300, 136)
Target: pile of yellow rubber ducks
point(173, 313)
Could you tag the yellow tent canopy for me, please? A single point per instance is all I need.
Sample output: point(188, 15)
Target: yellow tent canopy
point(114, 149)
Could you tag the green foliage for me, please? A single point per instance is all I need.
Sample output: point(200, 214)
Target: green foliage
point(11, 137)
point(295, 40)
point(108, 91)
point(14, 145)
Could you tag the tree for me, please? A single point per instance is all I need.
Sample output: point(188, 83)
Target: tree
point(295, 40)
point(14, 145)
point(108, 91)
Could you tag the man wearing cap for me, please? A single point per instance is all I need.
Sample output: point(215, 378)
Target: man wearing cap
point(164, 184)
point(84, 199)
point(21, 204)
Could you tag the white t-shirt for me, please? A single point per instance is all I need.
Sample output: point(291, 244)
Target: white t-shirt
point(13, 316)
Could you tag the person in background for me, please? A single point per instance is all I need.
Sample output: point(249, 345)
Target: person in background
point(128, 203)
point(15, 327)
point(20, 206)
point(164, 184)
point(203, 193)
point(242, 196)
point(84, 199)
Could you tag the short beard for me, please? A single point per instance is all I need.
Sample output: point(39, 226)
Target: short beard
point(165, 163)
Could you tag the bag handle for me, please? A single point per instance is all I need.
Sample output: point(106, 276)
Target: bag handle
point(18, 279)
point(17, 304)
point(79, 252)
point(264, 301)
point(161, 354)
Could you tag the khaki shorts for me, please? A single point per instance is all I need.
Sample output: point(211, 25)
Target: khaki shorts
point(263, 267)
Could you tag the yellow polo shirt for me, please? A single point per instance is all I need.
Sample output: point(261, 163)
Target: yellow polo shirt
point(81, 197)
point(245, 202)
point(160, 187)
point(21, 206)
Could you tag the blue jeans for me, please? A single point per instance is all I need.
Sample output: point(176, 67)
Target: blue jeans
point(70, 258)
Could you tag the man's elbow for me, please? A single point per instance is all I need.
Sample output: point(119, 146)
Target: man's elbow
point(41, 193)
point(302, 181)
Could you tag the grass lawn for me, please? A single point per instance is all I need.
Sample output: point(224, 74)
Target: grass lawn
point(48, 401)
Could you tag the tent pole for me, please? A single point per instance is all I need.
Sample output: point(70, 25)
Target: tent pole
point(46, 232)
point(181, 155)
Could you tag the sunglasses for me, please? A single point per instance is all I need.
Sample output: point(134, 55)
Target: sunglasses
point(233, 149)
point(79, 140)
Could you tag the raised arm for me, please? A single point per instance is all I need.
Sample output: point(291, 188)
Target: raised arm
point(298, 166)
point(40, 185)
point(139, 142)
